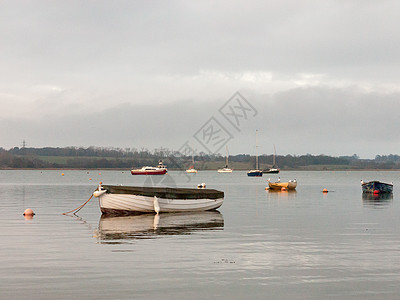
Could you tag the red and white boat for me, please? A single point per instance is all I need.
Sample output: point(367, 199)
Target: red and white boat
point(159, 170)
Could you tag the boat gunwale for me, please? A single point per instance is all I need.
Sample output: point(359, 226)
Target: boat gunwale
point(376, 181)
point(165, 192)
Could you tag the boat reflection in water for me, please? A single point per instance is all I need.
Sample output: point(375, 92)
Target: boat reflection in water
point(278, 194)
point(146, 226)
point(382, 199)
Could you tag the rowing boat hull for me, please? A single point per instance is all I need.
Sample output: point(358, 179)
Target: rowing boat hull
point(136, 200)
point(377, 187)
point(291, 185)
point(125, 204)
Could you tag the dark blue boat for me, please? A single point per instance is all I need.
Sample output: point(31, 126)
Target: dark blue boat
point(376, 187)
point(255, 173)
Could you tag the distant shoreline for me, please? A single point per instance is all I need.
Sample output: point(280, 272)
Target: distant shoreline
point(199, 170)
point(92, 158)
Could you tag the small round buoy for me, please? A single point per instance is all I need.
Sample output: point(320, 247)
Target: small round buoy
point(99, 173)
point(376, 192)
point(283, 189)
point(28, 212)
point(201, 186)
point(62, 174)
point(90, 178)
point(324, 190)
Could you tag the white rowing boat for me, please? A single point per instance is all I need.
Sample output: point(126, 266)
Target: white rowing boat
point(134, 200)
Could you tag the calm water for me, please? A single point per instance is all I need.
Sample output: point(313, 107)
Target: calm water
point(298, 245)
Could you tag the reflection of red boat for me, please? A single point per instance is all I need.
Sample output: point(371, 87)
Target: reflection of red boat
point(159, 170)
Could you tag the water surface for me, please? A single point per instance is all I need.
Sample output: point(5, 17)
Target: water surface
point(260, 244)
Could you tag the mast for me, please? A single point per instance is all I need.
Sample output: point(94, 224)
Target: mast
point(226, 156)
point(273, 161)
point(256, 150)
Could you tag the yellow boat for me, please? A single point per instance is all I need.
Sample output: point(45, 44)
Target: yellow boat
point(290, 185)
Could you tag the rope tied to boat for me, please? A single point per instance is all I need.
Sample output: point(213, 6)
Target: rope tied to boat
point(78, 208)
point(97, 193)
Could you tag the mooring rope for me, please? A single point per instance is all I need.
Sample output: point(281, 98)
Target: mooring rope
point(79, 207)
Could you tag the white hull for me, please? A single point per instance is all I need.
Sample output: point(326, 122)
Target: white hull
point(128, 203)
point(191, 171)
point(225, 170)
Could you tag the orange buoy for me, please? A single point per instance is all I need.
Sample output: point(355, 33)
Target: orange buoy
point(324, 190)
point(62, 174)
point(28, 213)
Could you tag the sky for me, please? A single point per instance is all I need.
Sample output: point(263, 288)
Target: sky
point(311, 77)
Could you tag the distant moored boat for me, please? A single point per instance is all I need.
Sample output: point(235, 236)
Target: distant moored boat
point(192, 168)
point(290, 185)
point(256, 172)
point(225, 169)
point(159, 170)
point(274, 168)
point(376, 187)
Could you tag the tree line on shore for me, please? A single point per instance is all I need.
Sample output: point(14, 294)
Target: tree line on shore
point(126, 158)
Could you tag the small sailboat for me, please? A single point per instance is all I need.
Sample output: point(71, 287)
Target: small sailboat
point(256, 172)
point(225, 169)
point(274, 168)
point(192, 169)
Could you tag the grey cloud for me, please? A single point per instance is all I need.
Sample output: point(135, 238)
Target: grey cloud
point(114, 65)
point(313, 120)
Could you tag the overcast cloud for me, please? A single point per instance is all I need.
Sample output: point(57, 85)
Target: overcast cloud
point(322, 75)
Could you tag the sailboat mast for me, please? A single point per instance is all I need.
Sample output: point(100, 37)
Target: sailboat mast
point(256, 151)
point(273, 162)
point(226, 156)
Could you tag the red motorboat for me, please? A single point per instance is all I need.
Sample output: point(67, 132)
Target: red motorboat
point(159, 170)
